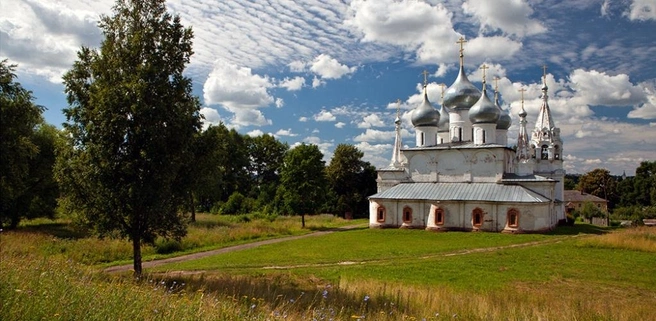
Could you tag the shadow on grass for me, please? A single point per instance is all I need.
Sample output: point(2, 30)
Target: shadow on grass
point(336, 229)
point(63, 230)
point(580, 228)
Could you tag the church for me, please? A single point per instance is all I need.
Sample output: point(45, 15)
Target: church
point(462, 175)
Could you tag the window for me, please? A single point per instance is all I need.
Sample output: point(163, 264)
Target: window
point(545, 152)
point(422, 139)
point(407, 215)
point(439, 216)
point(513, 218)
point(483, 137)
point(380, 214)
point(556, 152)
point(477, 217)
point(598, 205)
point(459, 134)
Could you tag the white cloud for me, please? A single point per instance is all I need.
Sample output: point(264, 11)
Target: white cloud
point(303, 119)
point(509, 16)
point(239, 91)
point(279, 102)
point(378, 155)
point(642, 10)
point(329, 68)
point(255, 133)
point(293, 84)
point(324, 146)
point(371, 120)
point(297, 66)
point(324, 115)
point(598, 88)
point(285, 132)
point(340, 124)
point(211, 117)
point(374, 135)
point(316, 82)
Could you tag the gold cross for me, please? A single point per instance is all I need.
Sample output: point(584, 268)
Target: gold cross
point(461, 42)
point(544, 73)
point(496, 83)
point(425, 73)
point(442, 86)
point(484, 67)
point(522, 90)
point(398, 107)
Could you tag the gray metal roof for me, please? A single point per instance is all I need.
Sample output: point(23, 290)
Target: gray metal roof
point(509, 177)
point(490, 192)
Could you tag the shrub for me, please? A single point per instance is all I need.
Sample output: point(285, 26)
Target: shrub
point(166, 246)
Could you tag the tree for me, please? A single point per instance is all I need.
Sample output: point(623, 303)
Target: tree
point(645, 183)
point(600, 183)
point(351, 179)
point(131, 120)
point(266, 155)
point(23, 150)
point(303, 181)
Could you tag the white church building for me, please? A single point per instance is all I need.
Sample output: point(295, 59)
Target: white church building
point(461, 175)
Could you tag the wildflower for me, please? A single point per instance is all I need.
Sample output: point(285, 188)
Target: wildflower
point(455, 315)
point(325, 294)
point(366, 298)
point(253, 306)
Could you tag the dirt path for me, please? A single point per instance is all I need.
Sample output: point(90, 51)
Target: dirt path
point(193, 256)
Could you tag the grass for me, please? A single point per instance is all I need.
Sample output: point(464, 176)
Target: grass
point(60, 237)
point(579, 273)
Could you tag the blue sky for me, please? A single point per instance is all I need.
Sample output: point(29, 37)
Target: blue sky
point(329, 71)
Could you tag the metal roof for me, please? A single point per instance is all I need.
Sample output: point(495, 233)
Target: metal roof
point(509, 177)
point(490, 192)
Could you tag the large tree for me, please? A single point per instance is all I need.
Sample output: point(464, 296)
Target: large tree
point(600, 183)
point(351, 179)
point(131, 119)
point(26, 153)
point(303, 181)
point(266, 155)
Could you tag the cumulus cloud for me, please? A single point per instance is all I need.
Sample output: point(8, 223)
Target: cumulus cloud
point(599, 88)
point(255, 133)
point(211, 117)
point(374, 135)
point(303, 119)
point(285, 132)
point(292, 84)
point(329, 68)
point(642, 10)
point(316, 82)
point(324, 115)
point(239, 91)
point(340, 124)
point(371, 120)
point(509, 16)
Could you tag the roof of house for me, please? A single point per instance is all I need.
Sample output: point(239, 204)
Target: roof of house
point(578, 196)
point(487, 192)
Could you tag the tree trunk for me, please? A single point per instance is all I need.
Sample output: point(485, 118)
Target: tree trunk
point(302, 220)
point(193, 208)
point(136, 251)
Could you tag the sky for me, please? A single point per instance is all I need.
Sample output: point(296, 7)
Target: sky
point(329, 72)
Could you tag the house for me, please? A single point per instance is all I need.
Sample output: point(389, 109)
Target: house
point(461, 174)
point(574, 201)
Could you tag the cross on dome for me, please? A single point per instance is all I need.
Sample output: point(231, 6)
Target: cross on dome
point(425, 73)
point(461, 42)
point(484, 67)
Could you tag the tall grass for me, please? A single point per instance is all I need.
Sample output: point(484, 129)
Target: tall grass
point(637, 239)
point(60, 237)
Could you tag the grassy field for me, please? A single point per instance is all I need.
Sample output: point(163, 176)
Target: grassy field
point(579, 273)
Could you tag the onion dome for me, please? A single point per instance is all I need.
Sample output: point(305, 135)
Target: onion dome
point(462, 94)
point(443, 124)
point(504, 121)
point(425, 114)
point(484, 110)
point(522, 113)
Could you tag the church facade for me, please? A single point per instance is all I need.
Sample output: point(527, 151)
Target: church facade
point(461, 175)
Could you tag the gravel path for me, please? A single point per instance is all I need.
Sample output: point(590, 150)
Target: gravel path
point(193, 256)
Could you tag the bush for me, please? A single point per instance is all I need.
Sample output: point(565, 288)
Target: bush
point(166, 246)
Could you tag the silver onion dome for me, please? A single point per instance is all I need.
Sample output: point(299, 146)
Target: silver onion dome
point(504, 121)
point(462, 94)
point(484, 110)
point(425, 114)
point(443, 124)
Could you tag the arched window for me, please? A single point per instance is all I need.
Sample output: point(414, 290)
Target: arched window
point(380, 214)
point(439, 216)
point(545, 152)
point(484, 136)
point(460, 134)
point(513, 217)
point(477, 217)
point(422, 139)
point(556, 152)
point(407, 215)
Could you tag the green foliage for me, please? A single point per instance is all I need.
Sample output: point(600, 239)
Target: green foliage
point(600, 183)
point(27, 154)
point(351, 180)
point(590, 210)
point(266, 155)
point(237, 204)
point(303, 181)
point(132, 119)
